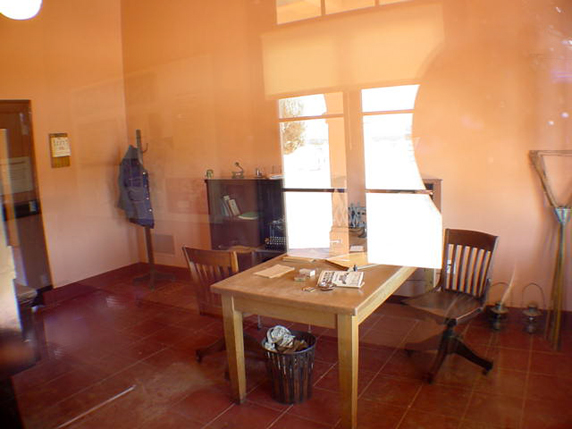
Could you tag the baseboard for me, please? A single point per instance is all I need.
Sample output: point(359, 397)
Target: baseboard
point(91, 284)
point(40, 298)
point(513, 312)
point(180, 273)
point(65, 293)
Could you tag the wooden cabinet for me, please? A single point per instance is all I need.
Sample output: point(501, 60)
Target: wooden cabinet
point(246, 212)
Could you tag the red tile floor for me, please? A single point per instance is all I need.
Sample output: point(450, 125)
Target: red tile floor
point(122, 356)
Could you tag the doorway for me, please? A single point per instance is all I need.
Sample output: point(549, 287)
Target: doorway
point(19, 195)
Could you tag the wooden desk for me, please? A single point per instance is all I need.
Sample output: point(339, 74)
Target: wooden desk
point(283, 298)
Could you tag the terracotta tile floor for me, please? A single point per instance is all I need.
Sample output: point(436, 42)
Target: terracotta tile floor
point(122, 356)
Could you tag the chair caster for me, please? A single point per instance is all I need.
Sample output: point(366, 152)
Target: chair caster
point(198, 357)
point(429, 378)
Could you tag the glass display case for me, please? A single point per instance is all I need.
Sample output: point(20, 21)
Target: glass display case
point(247, 212)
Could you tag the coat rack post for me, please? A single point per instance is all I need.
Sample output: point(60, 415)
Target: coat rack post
point(153, 274)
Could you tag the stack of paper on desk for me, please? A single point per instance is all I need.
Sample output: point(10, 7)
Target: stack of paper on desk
point(274, 271)
point(294, 258)
point(341, 278)
point(359, 259)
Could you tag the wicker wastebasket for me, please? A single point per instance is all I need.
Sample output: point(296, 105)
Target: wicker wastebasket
point(291, 373)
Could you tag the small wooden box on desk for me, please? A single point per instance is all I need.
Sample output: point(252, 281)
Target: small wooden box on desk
point(247, 215)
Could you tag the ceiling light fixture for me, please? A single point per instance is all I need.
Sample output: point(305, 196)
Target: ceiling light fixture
point(20, 9)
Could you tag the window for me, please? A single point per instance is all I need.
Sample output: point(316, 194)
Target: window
point(336, 6)
point(297, 10)
point(388, 148)
point(405, 226)
point(309, 125)
point(312, 137)
point(407, 230)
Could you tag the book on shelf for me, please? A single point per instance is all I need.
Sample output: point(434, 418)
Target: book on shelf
point(229, 207)
point(233, 206)
point(224, 208)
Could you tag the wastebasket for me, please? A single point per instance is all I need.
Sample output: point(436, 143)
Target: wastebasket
point(291, 373)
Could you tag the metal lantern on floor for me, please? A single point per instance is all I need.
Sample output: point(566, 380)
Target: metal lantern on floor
point(532, 312)
point(498, 310)
point(499, 315)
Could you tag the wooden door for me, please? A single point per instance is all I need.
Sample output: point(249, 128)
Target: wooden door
point(19, 195)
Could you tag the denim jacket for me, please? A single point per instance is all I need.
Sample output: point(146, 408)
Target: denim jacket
point(134, 196)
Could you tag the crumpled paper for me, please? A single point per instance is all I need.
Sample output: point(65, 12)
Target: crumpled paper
point(280, 339)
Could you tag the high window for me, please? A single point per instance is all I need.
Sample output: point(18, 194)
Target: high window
point(296, 10)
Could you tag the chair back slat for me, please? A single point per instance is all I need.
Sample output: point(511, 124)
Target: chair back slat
point(483, 272)
point(467, 261)
point(472, 259)
point(208, 267)
point(461, 268)
point(475, 271)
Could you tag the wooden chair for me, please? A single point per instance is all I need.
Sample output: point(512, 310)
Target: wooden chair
point(208, 267)
point(459, 296)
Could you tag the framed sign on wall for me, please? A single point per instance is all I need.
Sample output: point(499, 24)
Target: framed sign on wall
point(60, 150)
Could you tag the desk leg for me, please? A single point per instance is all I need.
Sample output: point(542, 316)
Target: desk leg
point(234, 340)
point(348, 356)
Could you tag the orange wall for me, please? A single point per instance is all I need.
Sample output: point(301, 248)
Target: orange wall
point(68, 62)
point(192, 89)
